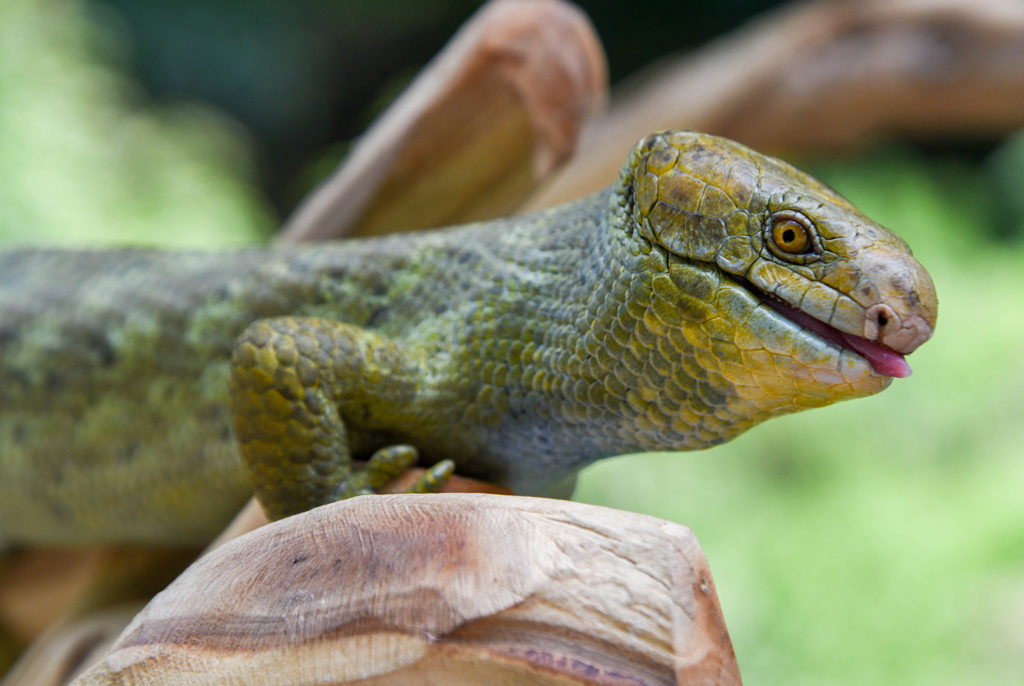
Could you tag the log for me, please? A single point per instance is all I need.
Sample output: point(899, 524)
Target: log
point(437, 589)
point(823, 76)
point(481, 126)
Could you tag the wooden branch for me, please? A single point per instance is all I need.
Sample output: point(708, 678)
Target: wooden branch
point(490, 118)
point(67, 648)
point(823, 75)
point(40, 585)
point(46, 586)
point(437, 589)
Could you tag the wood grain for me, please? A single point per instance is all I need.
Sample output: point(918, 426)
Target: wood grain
point(252, 517)
point(437, 589)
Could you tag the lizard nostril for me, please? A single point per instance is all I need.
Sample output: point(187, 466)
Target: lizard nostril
point(877, 321)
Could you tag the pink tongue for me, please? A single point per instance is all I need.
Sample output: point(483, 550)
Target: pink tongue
point(884, 361)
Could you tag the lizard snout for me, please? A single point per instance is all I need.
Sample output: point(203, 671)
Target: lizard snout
point(902, 334)
point(900, 307)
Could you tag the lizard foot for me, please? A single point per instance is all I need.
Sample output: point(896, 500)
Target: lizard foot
point(388, 463)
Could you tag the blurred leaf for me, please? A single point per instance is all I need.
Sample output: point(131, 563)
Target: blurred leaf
point(1005, 176)
point(84, 159)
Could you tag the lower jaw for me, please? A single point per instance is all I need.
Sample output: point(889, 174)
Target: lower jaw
point(799, 386)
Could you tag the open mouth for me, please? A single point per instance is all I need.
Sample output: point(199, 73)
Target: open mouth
point(884, 361)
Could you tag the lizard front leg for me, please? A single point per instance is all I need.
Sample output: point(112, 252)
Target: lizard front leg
point(299, 387)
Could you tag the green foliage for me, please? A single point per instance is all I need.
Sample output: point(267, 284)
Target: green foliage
point(1006, 176)
point(878, 541)
point(83, 157)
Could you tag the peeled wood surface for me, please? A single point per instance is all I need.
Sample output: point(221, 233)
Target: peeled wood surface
point(484, 123)
point(252, 517)
point(825, 75)
point(437, 589)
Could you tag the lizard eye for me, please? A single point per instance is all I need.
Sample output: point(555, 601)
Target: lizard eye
point(791, 235)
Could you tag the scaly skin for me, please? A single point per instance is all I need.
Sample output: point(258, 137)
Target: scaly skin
point(523, 349)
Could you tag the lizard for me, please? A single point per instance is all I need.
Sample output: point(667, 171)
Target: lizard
point(706, 290)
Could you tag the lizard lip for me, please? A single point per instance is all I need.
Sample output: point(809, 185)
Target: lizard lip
point(884, 361)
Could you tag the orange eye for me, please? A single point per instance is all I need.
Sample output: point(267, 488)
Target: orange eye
point(790, 236)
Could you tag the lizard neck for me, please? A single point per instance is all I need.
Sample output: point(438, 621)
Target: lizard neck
point(636, 374)
point(572, 355)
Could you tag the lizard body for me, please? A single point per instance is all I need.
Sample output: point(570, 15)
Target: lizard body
point(709, 289)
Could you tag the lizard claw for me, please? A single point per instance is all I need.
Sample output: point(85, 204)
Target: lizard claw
point(383, 466)
point(434, 478)
point(390, 462)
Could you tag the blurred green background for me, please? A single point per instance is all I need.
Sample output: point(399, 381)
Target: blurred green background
point(879, 541)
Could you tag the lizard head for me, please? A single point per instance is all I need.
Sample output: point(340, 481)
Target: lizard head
point(789, 295)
